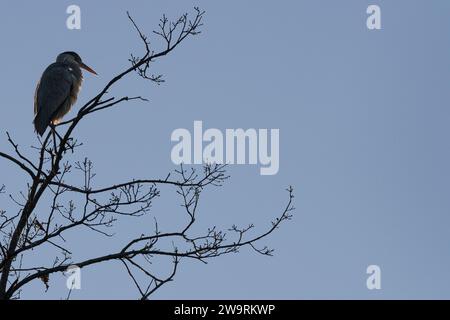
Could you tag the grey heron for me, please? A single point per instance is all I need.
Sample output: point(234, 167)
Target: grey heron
point(57, 90)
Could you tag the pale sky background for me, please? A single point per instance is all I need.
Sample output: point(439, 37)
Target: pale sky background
point(363, 118)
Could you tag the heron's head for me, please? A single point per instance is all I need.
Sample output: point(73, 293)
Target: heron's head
point(73, 57)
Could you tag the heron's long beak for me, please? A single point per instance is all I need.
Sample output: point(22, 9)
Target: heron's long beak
point(87, 68)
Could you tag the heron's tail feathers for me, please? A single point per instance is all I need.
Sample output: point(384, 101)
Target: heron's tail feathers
point(39, 125)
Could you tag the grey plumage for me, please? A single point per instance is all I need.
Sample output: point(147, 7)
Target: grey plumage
point(58, 89)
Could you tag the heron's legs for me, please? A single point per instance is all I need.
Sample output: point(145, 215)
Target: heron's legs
point(55, 133)
point(54, 138)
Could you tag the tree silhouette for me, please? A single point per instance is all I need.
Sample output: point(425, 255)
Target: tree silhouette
point(65, 206)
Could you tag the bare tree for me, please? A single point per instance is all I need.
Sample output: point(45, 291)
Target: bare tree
point(68, 206)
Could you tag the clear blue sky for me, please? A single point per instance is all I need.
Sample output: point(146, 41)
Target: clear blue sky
point(363, 118)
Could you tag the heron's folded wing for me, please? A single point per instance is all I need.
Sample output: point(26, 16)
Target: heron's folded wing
point(51, 93)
